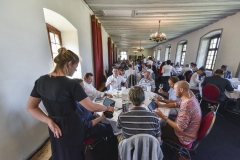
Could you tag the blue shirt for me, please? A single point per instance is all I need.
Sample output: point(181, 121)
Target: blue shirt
point(86, 116)
point(172, 96)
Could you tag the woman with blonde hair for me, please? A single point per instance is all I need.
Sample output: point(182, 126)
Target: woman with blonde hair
point(59, 95)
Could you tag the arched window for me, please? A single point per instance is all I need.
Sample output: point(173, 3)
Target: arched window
point(167, 52)
point(208, 49)
point(212, 52)
point(181, 52)
point(184, 48)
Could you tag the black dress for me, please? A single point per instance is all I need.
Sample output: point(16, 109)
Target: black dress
point(59, 95)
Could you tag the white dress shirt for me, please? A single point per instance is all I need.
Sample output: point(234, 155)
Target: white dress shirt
point(117, 81)
point(136, 68)
point(167, 69)
point(194, 81)
point(185, 69)
point(91, 91)
point(149, 62)
point(129, 72)
point(144, 60)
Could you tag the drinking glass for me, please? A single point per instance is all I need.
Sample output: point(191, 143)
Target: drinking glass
point(160, 86)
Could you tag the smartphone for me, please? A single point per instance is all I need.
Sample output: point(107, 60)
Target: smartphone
point(126, 107)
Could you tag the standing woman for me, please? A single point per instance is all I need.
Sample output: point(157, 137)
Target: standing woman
point(59, 95)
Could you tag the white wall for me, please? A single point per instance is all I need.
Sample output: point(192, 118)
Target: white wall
point(25, 56)
point(229, 48)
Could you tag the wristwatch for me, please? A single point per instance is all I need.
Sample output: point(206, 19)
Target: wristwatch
point(165, 118)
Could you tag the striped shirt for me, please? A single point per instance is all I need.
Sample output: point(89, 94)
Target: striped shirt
point(147, 82)
point(138, 121)
point(188, 120)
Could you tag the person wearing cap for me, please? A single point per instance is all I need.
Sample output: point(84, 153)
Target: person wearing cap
point(147, 81)
point(226, 73)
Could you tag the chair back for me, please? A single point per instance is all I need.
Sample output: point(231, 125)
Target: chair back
point(106, 72)
point(190, 76)
point(131, 80)
point(205, 127)
point(210, 91)
point(140, 146)
point(186, 74)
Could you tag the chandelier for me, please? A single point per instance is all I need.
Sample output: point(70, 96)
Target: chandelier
point(157, 36)
point(140, 49)
point(135, 52)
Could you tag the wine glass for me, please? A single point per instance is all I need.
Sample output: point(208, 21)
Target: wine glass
point(160, 86)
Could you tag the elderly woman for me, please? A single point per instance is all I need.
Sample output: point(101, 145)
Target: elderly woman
point(138, 120)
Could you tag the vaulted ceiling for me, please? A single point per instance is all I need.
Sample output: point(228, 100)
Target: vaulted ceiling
point(129, 21)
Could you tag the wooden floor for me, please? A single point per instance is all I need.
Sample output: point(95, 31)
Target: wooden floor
point(44, 153)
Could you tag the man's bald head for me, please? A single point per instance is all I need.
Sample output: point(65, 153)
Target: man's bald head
point(181, 88)
point(183, 84)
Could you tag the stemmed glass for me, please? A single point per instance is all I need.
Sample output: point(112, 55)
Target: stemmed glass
point(160, 86)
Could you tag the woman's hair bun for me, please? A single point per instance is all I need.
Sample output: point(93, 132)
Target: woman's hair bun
point(62, 50)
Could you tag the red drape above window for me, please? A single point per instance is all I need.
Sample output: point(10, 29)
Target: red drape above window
point(97, 51)
point(110, 52)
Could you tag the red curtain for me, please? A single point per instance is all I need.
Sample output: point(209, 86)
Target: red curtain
point(97, 51)
point(116, 54)
point(113, 49)
point(110, 52)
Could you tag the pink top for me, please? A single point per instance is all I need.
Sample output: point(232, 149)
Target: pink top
point(188, 120)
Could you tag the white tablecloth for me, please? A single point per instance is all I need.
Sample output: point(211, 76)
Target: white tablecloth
point(235, 94)
point(118, 108)
point(234, 81)
point(208, 73)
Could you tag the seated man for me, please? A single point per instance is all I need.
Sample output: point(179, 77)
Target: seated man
point(170, 94)
point(227, 74)
point(130, 71)
point(92, 122)
point(194, 81)
point(90, 90)
point(185, 128)
point(138, 120)
point(110, 70)
point(143, 68)
point(221, 83)
point(115, 81)
point(185, 69)
point(194, 67)
point(172, 98)
point(147, 81)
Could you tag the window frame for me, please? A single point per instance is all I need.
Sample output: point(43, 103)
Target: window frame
point(167, 52)
point(212, 49)
point(158, 54)
point(121, 54)
point(185, 43)
point(53, 30)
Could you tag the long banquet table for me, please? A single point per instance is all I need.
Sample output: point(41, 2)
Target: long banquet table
point(117, 97)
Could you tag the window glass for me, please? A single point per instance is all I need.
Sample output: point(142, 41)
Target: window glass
point(212, 52)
